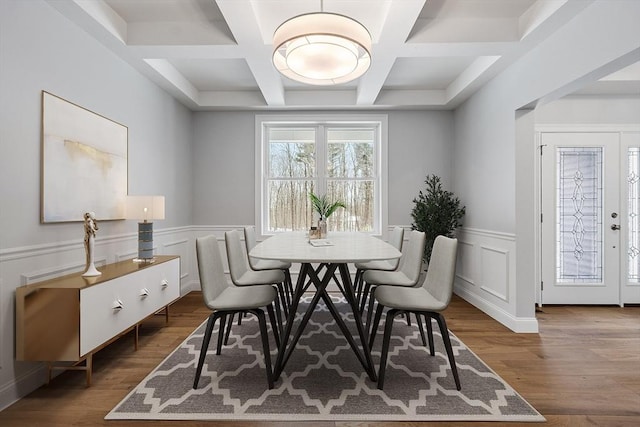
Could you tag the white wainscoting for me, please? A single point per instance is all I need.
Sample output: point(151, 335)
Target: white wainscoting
point(485, 276)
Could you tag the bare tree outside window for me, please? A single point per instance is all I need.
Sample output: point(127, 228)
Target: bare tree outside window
point(338, 161)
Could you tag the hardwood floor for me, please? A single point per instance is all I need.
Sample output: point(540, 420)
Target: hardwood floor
point(582, 369)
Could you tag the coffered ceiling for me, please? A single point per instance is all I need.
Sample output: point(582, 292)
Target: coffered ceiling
point(216, 54)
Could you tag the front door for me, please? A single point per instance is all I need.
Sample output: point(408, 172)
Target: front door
point(581, 218)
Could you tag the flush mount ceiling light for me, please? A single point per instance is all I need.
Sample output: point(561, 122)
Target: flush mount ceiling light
point(322, 49)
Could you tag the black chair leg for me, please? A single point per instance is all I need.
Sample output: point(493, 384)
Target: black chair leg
point(265, 345)
point(365, 293)
point(223, 319)
point(376, 323)
point(372, 301)
point(289, 284)
point(283, 298)
point(388, 326)
point(421, 329)
point(432, 348)
point(228, 331)
point(357, 285)
point(447, 344)
point(274, 325)
point(204, 347)
point(276, 302)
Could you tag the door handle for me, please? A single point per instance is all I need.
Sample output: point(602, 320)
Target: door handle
point(615, 227)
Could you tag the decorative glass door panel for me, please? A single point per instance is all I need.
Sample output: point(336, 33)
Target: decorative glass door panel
point(581, 218)
point(579, 214)
point(630, 182)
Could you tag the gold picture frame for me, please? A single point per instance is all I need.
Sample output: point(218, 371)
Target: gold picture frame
point(83, 163)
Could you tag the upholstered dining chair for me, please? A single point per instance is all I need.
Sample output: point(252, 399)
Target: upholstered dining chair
point(243, 275)
point(267, 264)
point(395, 239)
point(428, 300)
point(225, 299)
point(406, 275)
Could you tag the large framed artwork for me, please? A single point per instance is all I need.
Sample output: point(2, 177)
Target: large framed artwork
point(84, 163)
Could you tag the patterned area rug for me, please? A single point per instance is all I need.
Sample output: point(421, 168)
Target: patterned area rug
point(323, 381)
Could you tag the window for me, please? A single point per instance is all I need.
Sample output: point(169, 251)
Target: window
point(343, 158)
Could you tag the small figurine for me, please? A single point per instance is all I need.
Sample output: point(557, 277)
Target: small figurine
point(90, 228)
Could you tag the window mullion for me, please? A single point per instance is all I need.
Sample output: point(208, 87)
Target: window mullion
point(321, 159)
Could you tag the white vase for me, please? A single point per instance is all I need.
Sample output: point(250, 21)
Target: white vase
point(322, 228)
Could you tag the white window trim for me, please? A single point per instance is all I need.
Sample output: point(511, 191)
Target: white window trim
point(316, 119)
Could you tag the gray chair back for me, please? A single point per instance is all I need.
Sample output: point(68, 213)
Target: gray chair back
point(249, 242)
point(210, 269)
point(442, 269)
point(411, 259)
point(396, 237)
point(238, 260)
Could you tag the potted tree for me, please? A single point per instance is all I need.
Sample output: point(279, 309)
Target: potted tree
point(325, 208)
point(436, 212)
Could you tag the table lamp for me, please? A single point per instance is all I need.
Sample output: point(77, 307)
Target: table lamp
point(145, 209)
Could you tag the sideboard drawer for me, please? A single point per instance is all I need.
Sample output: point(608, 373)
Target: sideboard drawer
point(106, 311)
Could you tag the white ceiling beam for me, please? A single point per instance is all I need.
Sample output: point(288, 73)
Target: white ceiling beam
point(174, 77)
point(105, 16)
point(472, 73)
point(243, 23)
point(392, 37)
point(176, 33)
point(539, 12)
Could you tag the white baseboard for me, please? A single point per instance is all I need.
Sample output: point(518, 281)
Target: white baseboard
point(516, 324)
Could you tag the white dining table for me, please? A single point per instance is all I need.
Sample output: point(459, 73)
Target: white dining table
point(342, 248)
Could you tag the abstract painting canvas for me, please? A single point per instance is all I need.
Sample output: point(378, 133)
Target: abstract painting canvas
point(84, 163)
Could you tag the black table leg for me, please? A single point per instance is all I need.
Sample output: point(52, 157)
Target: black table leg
point(307, 271)
point(350, 296)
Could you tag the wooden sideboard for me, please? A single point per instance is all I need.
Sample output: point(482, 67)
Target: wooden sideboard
point(69, 318)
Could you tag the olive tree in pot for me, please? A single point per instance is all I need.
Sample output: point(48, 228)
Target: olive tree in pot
point(436, 212)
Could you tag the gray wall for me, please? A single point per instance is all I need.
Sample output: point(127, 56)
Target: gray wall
point(224, 162)
point(41, 50)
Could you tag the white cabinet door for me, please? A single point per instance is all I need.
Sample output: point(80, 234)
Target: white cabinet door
point(112, 307)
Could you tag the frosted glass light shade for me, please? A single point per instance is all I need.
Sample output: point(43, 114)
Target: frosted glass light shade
point(322, 49)
point(145, 207)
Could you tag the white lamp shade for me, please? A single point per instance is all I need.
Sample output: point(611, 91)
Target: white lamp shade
point(322, 49)
point(145, 207)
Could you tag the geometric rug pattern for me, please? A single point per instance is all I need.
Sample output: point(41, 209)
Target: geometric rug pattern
point(323, 380)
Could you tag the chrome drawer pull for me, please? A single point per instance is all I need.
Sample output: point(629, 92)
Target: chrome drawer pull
point(117, 305)
point(165, 283)
point(144, 292)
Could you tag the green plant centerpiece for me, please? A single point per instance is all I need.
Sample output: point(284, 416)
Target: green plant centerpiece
point(325, 208)
point(436, 212)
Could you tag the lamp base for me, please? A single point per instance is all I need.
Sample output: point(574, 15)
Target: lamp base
point(145, 241)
